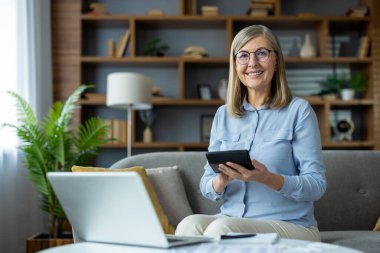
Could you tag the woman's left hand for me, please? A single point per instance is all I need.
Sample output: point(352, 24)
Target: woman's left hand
point(260, 174)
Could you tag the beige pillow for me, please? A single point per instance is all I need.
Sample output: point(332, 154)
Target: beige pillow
point(171, 192)
point(149, 187)
point(377, 226)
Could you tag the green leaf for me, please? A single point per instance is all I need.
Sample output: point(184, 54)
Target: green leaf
point(67, 110)
point(90, 136)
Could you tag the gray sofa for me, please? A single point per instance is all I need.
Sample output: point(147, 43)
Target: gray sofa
point(346, 214)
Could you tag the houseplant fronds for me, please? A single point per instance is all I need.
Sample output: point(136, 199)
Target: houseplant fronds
point(50, 145)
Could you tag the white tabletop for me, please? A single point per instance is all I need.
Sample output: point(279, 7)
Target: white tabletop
point(282, 246)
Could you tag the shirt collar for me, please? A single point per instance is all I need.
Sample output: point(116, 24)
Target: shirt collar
point(248, 107)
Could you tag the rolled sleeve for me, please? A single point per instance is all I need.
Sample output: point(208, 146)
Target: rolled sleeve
point(303, 188)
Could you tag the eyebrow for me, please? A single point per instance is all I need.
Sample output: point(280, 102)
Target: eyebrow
point(256, 49)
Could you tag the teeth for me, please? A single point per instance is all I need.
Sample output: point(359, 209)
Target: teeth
point(255, 73)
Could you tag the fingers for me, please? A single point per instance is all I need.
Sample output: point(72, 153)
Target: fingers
point(235, 171)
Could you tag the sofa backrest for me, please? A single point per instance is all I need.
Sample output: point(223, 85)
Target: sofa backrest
point(351, 202)
point(352, 198)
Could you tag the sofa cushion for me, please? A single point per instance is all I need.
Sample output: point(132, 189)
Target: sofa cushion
point(190, 164)
point(366, 241)
point(148, 185)
point(170, 191)
point(377, 226)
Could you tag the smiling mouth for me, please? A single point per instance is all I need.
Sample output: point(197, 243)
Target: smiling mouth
point(254, 74)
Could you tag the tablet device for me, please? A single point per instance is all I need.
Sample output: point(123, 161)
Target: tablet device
point(240, 157)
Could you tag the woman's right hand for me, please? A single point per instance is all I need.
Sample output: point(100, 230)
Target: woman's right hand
point(220, 182)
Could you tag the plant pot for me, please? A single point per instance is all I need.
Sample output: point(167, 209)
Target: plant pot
point(347, 94)
point(42, 241)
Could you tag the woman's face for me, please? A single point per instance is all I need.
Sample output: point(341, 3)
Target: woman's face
point(255, 69)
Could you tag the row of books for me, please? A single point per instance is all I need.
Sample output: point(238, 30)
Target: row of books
point(117, 130)
point(119, 49)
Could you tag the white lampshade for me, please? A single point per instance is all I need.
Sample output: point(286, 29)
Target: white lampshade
point(126, 89)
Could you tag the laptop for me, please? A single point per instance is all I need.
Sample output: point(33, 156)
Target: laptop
point(113, 207)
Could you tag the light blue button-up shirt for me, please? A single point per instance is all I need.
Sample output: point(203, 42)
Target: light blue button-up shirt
point(287, 141)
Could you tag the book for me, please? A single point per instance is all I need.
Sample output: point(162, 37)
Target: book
point(363, 47)
point(124, 131)
point(111, 48)
point(116, 131)
point(122, 44)
point(119, 131)
point(109, 134)
point(261, 6)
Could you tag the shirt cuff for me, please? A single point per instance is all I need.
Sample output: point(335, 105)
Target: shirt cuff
point(289, 185)
point(212, 193)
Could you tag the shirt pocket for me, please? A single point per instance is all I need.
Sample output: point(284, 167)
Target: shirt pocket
point(230, 141)
point(278, 136)
point(277, 145)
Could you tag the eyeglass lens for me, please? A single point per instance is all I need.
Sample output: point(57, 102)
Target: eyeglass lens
point(261, 55)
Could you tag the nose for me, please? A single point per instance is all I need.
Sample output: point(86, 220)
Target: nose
point(252, 59)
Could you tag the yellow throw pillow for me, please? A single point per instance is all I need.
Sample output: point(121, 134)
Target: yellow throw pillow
point(377, 226)
point(148, 185)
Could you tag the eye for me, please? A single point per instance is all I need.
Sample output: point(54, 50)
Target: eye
point(242, 55)
point(261, 53)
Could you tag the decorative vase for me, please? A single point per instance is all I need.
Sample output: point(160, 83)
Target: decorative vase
point(147, 135)
point(222, 88)
point(307, 49)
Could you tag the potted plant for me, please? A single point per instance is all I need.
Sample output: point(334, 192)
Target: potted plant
point(51, 145)
point(154, 47)
point(331, 88)
point(359, 83)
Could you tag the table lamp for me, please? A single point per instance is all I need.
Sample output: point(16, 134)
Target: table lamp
point(131, 91)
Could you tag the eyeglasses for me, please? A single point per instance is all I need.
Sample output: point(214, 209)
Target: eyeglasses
point(261, 55)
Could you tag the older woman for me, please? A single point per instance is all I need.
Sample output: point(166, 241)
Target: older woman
point(282, 136)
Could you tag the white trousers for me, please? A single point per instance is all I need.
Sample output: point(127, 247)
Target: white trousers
point(216, 225)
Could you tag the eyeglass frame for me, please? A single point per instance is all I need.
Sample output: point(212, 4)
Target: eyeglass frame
point(254, 52)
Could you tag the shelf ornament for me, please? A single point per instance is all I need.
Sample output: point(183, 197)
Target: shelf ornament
point(147, 117)
point(307, 49)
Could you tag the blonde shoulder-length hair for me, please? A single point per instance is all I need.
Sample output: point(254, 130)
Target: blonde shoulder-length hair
point(280, 94)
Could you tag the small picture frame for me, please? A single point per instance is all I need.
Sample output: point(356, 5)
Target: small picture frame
point(204, 92)
point(206, 123)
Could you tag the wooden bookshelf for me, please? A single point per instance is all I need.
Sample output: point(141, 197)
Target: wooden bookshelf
point(75, 59)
